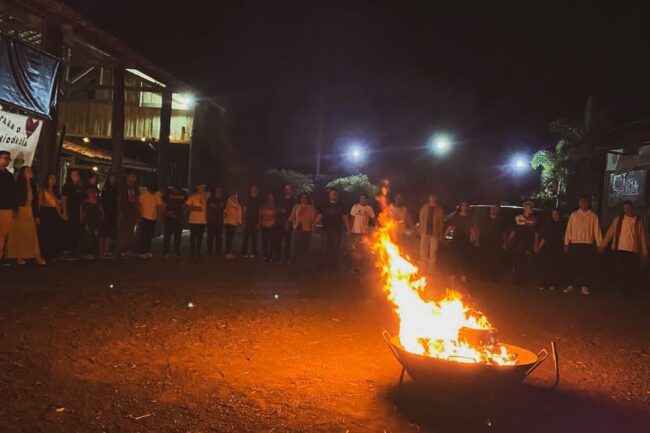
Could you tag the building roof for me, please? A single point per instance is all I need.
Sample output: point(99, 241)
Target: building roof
point(103, 42)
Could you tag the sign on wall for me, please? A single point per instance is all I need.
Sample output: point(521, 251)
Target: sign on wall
point(628, 186)
point(19, 135)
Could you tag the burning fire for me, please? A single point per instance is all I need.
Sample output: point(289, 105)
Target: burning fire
point(440, 329)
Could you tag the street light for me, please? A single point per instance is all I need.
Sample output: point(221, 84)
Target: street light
point(520, 163)
point(440, 144)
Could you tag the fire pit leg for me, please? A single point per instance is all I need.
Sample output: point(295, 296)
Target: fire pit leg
point(556, 364)
point(401, 379)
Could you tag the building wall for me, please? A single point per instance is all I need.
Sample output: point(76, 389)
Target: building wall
point(93, 119)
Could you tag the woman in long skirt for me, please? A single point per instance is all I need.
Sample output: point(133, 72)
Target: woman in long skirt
point(51, 219)
point(22, 240)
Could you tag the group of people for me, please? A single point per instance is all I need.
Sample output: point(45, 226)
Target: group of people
point(565, 252)
point(41, 224)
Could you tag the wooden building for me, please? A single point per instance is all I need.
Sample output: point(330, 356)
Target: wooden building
point(110, 94)
point(613, 167)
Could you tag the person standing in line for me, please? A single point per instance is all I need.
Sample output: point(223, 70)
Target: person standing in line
point(302, 219)
point(268, 221)
point(174, 213)
point(216, 205)
point(285, 205)
point(150, 204)
point(72, 196)
point(362, 215)
point(232, 218)
point(51, 217)
point(461, 227)
point(431, 227)
point(22, 240)
point(491, 241)
point(335, 219)
point(251, 210)
point(628, 237)
point(92, 182)
point(581, 238)
point(128, 209)
point(524, 239)
point(401, 218)
point(198, 207)
point(91, 218)
point(551, 251)
point(108, 203)
point(8, 199)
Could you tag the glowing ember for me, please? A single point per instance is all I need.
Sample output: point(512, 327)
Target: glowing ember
point(427, 327)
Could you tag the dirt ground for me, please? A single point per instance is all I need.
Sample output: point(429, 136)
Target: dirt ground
point(170, 345)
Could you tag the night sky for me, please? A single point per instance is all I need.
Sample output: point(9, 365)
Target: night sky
point(392, 74)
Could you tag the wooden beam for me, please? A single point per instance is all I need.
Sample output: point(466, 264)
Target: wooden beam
point(163, 140)
point(117, 123)
point(48, 153)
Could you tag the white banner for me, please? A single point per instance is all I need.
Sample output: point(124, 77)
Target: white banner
point(19, 135)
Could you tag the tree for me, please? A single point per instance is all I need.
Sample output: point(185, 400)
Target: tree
point(299, 182)
point(355, 185)
point(555, 172)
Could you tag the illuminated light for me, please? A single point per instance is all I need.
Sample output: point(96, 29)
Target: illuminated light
point(111, 286)
point(276, 296)
point(190, 305)
point(95, 168)
point(520, 163)
point(143, 139)
point(67, 164)
point(441, 145)
point(86, 140)
point(145, 76)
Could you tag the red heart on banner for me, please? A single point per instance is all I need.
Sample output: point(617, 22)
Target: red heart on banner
point(30, 126)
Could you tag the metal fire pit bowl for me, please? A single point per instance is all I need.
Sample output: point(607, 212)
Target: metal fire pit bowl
point(449, 374)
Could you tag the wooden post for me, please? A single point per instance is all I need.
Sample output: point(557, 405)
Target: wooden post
point(163, 140)
point(117, 123)
point(48, 141)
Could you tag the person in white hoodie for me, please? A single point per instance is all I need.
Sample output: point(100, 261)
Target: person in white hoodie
point(581, 239)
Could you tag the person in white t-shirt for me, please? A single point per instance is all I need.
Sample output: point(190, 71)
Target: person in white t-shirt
point(150, 203)
point(362, 214)
point(197, 205)
point(627, 234)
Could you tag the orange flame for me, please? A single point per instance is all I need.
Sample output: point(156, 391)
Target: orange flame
point(428, 327)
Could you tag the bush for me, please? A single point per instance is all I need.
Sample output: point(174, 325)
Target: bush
point(276, 179)
point(355, 185)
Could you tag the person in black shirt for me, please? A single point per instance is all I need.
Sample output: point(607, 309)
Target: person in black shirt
point(251, 211)
point(216, 205)
point(491, 239)
point(334, 218)
point(551, 251)
point(72, 195)
point(91, 217)
point(524, 240)
point(129, 213)
point(462, 227)
point(173, 201)
point(285, 206)
point(8, 198)
point(108, 203)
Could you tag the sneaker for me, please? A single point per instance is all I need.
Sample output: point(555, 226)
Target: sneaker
point(551, 289)
point(88, 257)
point(143, 256)
point(123, 255)
point(230, 257)
point(20, 261)
point(568, 289)
point(149, 256)
point(69, 257)
point(252, 256)
point(585, 290)
point(541, 287)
